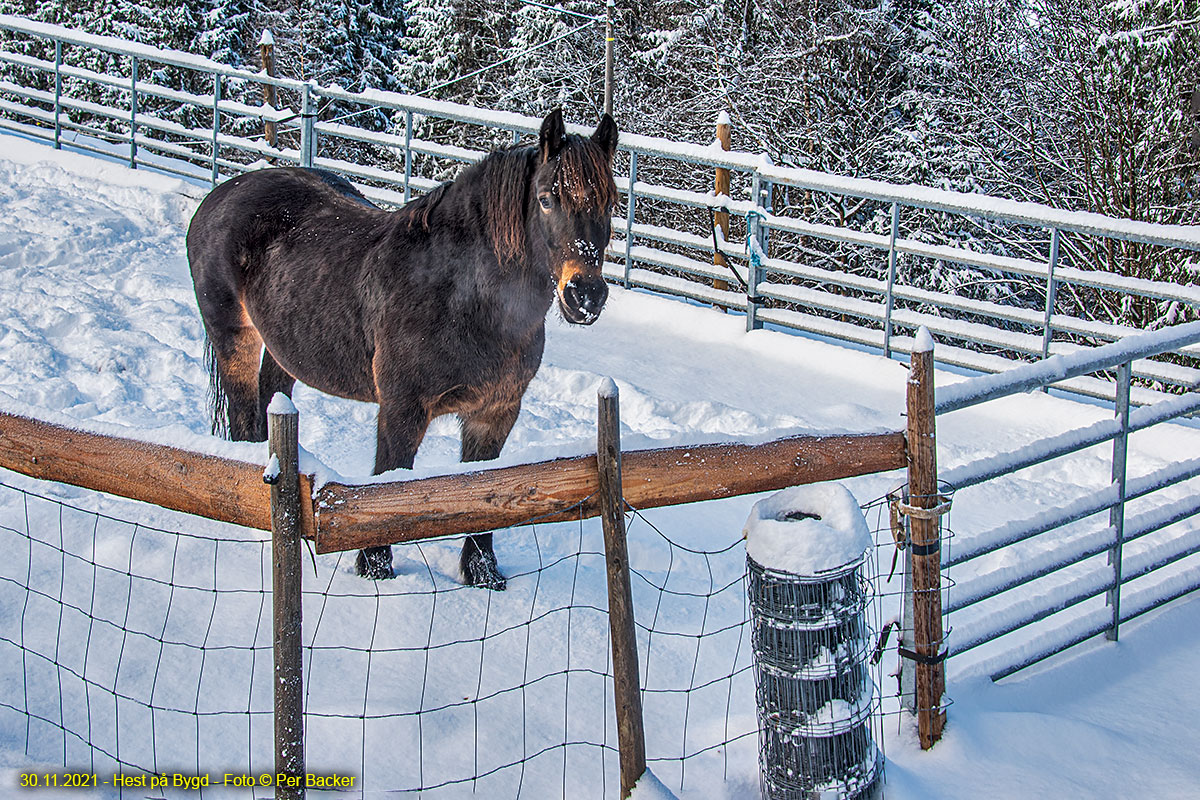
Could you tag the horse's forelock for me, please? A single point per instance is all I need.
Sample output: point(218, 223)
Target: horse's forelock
point(584, 180)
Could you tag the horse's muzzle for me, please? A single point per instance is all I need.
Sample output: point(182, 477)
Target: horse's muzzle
point(581, 299)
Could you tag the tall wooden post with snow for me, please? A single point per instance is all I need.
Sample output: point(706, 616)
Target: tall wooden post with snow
point(283, 475)
point(923, 658)
point(266, 51)
point(627, 697)
point(721, 190)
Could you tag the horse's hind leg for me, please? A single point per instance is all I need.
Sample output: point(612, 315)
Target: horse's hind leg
point(236, 349)
point(483, 436)
point(271, 379)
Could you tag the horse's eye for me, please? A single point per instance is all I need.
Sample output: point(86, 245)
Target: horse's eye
point(547, 203)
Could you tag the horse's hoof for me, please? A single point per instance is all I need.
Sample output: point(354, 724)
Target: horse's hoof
point(374, 563)
point(480, 569)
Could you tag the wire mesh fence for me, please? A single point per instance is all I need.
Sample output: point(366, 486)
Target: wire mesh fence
point(129, 648)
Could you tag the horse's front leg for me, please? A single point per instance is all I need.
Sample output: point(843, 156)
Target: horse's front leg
point(401, 427)
point(483, 436)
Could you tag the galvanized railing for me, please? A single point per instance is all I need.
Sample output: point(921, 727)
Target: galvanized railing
point(1018, 595)
point(788, 263)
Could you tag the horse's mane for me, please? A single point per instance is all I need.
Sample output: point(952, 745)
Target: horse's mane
point(583, 183)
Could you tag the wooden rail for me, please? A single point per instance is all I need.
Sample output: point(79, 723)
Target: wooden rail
point(353, 517)
point(209, 486)
point(341, 517)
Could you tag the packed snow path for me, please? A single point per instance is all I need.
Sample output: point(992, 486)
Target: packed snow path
point(99, 324)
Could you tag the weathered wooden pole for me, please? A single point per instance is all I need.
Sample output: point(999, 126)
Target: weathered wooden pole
point(924, 545)
point(631, 738)
point(721, 189)
point(266, 51)
point(608, 57)
point(283, 475)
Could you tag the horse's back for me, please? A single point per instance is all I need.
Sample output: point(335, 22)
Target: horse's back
point(239, 219)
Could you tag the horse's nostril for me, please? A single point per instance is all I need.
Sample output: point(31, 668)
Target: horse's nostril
point(591, 296)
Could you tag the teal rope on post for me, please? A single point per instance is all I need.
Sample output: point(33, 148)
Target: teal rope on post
point(754, 251)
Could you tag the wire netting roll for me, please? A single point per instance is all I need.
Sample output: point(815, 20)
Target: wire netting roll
point(814, 691)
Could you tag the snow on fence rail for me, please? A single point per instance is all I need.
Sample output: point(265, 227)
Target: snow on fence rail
point(1030, 569)
point(792, 251)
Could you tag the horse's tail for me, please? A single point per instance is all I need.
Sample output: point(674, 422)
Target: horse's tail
point(218, 401)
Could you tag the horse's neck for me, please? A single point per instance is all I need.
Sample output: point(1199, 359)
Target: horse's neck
point(515, 293)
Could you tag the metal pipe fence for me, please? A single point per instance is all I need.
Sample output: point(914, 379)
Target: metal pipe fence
point(1056, 559)
point(851, 259)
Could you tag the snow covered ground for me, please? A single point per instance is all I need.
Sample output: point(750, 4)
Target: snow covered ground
point(99, 325)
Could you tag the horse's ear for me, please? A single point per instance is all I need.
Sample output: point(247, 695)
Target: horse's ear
point(550, 138)
point(606, 135)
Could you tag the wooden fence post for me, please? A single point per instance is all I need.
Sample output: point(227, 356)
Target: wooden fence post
point(266, 51)
point(924, 545)
point(608, 57)
point(283, 475)
point(631, 738)
point(721, 189)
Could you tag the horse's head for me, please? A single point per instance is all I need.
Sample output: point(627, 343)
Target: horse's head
point(574, 195)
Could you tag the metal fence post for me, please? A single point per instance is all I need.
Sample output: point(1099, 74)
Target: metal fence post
point(755, 252)
point(632, 202)
point(133, 76)
point(408, 130)
point(308, 131)
point(1051, 291)
point(286, 584)
point(631, 737)
point(891, 281)
point(768, 204)
point(216, 146)
point(57, 94)
point(1116, 514)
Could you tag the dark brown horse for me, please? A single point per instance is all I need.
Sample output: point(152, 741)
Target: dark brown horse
point(436, 308)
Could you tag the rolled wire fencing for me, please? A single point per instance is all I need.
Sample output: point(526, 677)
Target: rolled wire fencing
point(815, 694)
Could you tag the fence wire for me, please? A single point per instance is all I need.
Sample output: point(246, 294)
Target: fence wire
point(115, 645)
point(129, 648)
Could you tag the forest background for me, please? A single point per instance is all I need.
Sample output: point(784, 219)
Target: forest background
point(1077, 104)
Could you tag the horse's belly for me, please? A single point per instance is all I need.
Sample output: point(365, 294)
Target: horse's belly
point(339, 379)
point(320, 353)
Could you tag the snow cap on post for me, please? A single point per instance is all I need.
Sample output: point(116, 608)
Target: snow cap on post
point(924, 341)
point(281, 404)
point(607, 388)
point(723, 118)
point(807, 530)
point(267, 39)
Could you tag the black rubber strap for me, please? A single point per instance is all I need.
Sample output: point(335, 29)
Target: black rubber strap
point(930, 549)
point(920, 659)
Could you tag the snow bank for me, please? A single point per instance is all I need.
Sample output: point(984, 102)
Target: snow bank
point(807, 530)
